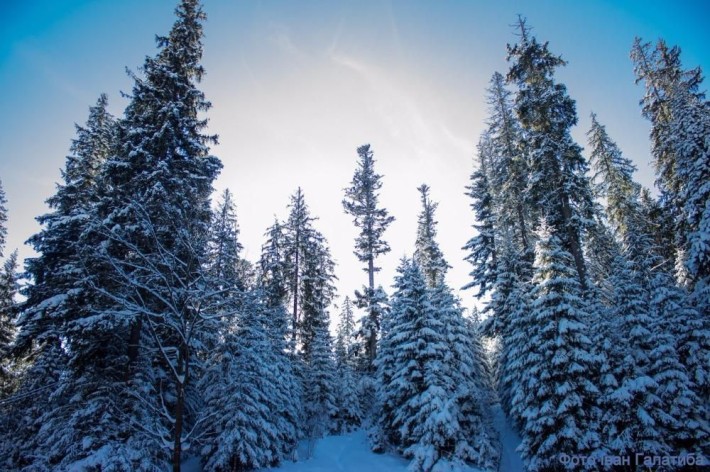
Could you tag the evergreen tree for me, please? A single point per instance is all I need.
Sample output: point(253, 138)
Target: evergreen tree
point(557, 395)
point(151, 227)
point(613, 178)
point(3, 220)
point(558, 188)
point(680, 121)
point(509, 168)
point(431, 394)
point(482, 248)
point(251, 424)
point(319, 402)
point(361, 201)
point(426, 249)
point(57, 308)
point(309, 270)
point(349, 414)
point(224, 249)
point(9, 308)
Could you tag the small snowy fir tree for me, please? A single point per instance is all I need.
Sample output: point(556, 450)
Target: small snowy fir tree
point(557, 398)
point(349, 414)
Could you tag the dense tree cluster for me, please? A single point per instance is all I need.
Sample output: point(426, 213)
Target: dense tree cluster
point(145, 337)
point(589, 344)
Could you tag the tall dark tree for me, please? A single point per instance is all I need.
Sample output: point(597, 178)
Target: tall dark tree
point(558, 187)
point(57, 307)
point(481, 249)
point(151, 227)
point(509, 167)
point(309, 270)
point(361, 201)
point(680, 120)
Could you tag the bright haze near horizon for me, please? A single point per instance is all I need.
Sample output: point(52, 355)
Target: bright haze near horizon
point(296, 87)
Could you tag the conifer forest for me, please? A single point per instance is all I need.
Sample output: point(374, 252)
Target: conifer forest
point(140, 336)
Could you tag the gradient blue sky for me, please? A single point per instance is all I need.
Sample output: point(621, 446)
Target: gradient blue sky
point(298, 85)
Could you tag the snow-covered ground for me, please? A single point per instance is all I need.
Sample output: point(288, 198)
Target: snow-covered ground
point(345, 453)
point(351, 453)
point(509, 441)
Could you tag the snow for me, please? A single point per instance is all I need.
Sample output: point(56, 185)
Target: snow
point(509, 441)
point(346, 453)
point(351, 453)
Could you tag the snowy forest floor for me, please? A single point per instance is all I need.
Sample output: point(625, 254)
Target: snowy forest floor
point(351, 453)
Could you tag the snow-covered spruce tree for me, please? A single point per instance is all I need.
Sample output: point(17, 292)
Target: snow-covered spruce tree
point(244, 400)
point(272, 286)
point(8, 305)
point(680, 122)
point(3, 220)
point(430, 398)
point(557, 185)
point(9, 308)
point(681, 363)
point(304, 248)
point(509, 169)
point(224, 249)
point(426, 250)
point(508, 322)
point(361, 201)
point(633, 419)
point(57, 303)
point(476, 441)
point(151, 228)
point(349, 415)
point(613, 178)
point(309, 272)
point(557, 397)
point(319, 402)
point(481, 249)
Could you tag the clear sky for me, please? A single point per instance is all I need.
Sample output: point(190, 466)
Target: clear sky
point(297, 86)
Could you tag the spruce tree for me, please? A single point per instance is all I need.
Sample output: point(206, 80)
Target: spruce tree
point(481, 249)
point(557, 397)
point(3, 220)
point(224, 249)
point(251, 422)
point(349, 415)
point(361, 201)
point(509, 170)
point(151, 227)
point(680, 121)
point(9, 308)
point(558, 187)
point(426, 250)
point(58, 309)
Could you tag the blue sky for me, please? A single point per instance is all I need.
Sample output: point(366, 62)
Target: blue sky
point(298, 85)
